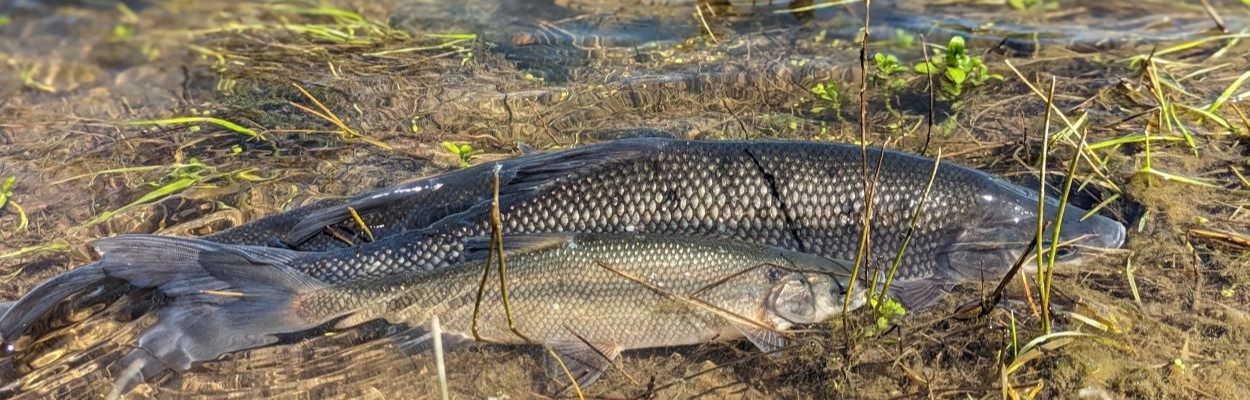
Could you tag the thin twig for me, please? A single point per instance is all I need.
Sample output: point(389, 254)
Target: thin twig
point(861, 253)
point(719, 311)
point(333, 119)
point(496, 227)
point(924, 45)
point(1215, 16)
point(699, 9)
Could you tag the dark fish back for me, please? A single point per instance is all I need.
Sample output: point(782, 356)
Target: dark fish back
point(798, 196)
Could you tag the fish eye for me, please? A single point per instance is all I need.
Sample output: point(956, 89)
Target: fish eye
point(1065, 252)
point(1061, 253)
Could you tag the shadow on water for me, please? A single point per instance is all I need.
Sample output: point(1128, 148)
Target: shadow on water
point(560, 73)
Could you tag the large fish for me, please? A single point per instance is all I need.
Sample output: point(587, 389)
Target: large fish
point(801, 196)
point(589, 296)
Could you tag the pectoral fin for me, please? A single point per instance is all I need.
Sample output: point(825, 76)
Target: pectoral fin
point(918, 293)
point(585, 361)
point(766, 340)
point(526, 149)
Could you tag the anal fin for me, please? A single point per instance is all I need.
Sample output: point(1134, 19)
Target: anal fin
point(584, 360)
point(768, 341)
point(917, 293)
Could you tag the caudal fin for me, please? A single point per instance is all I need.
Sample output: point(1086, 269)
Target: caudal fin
point(228, 298)
point(43, 299)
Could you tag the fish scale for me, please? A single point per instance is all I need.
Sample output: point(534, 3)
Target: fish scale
point(799, 196)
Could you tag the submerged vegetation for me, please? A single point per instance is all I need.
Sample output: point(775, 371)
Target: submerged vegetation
point(190, 117)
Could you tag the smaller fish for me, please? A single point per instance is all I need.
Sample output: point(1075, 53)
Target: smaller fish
point(587, 296)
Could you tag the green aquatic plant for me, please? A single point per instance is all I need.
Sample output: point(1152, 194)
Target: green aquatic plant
point(886, 77)
point(957, 69)
point(831, 93)
point(904, 39)
point(6, 200)
point(464, 151)
point(887, 310)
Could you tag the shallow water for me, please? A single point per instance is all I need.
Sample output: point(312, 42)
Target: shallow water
point(566, 72)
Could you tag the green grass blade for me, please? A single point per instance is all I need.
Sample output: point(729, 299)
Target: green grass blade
point(43, 248)
point(1228, 92)
point(191, 120)
point(159, 193)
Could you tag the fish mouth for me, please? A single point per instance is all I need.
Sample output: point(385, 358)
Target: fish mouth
point(1108, 233)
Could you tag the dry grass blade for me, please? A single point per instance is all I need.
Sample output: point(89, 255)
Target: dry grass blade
point(721, 312)
point(333, 119)
point(439, 363)
point(1040, 345)
point(932, 115)
point(1215, 16)
point(361, 223)
point(43, 248)
point(1233, 238)
point(698, 8)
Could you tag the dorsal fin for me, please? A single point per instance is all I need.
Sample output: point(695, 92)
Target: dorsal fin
point(477, 248)
point(517, 176)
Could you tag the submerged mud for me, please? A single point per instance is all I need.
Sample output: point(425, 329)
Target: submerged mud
point(1167, 318)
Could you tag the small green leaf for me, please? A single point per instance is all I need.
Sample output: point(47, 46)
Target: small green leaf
point(452, 148)
point(956, 75)
point(926, 68)
point(956, 51)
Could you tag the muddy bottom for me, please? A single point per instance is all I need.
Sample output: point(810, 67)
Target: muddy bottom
point(186, 118)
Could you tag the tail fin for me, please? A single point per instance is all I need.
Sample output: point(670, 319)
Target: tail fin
point(42, 299)
point(228, 298)
point(146, 261)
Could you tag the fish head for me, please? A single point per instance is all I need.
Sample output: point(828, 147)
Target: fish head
point(1004, 220)
point(811, 296)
